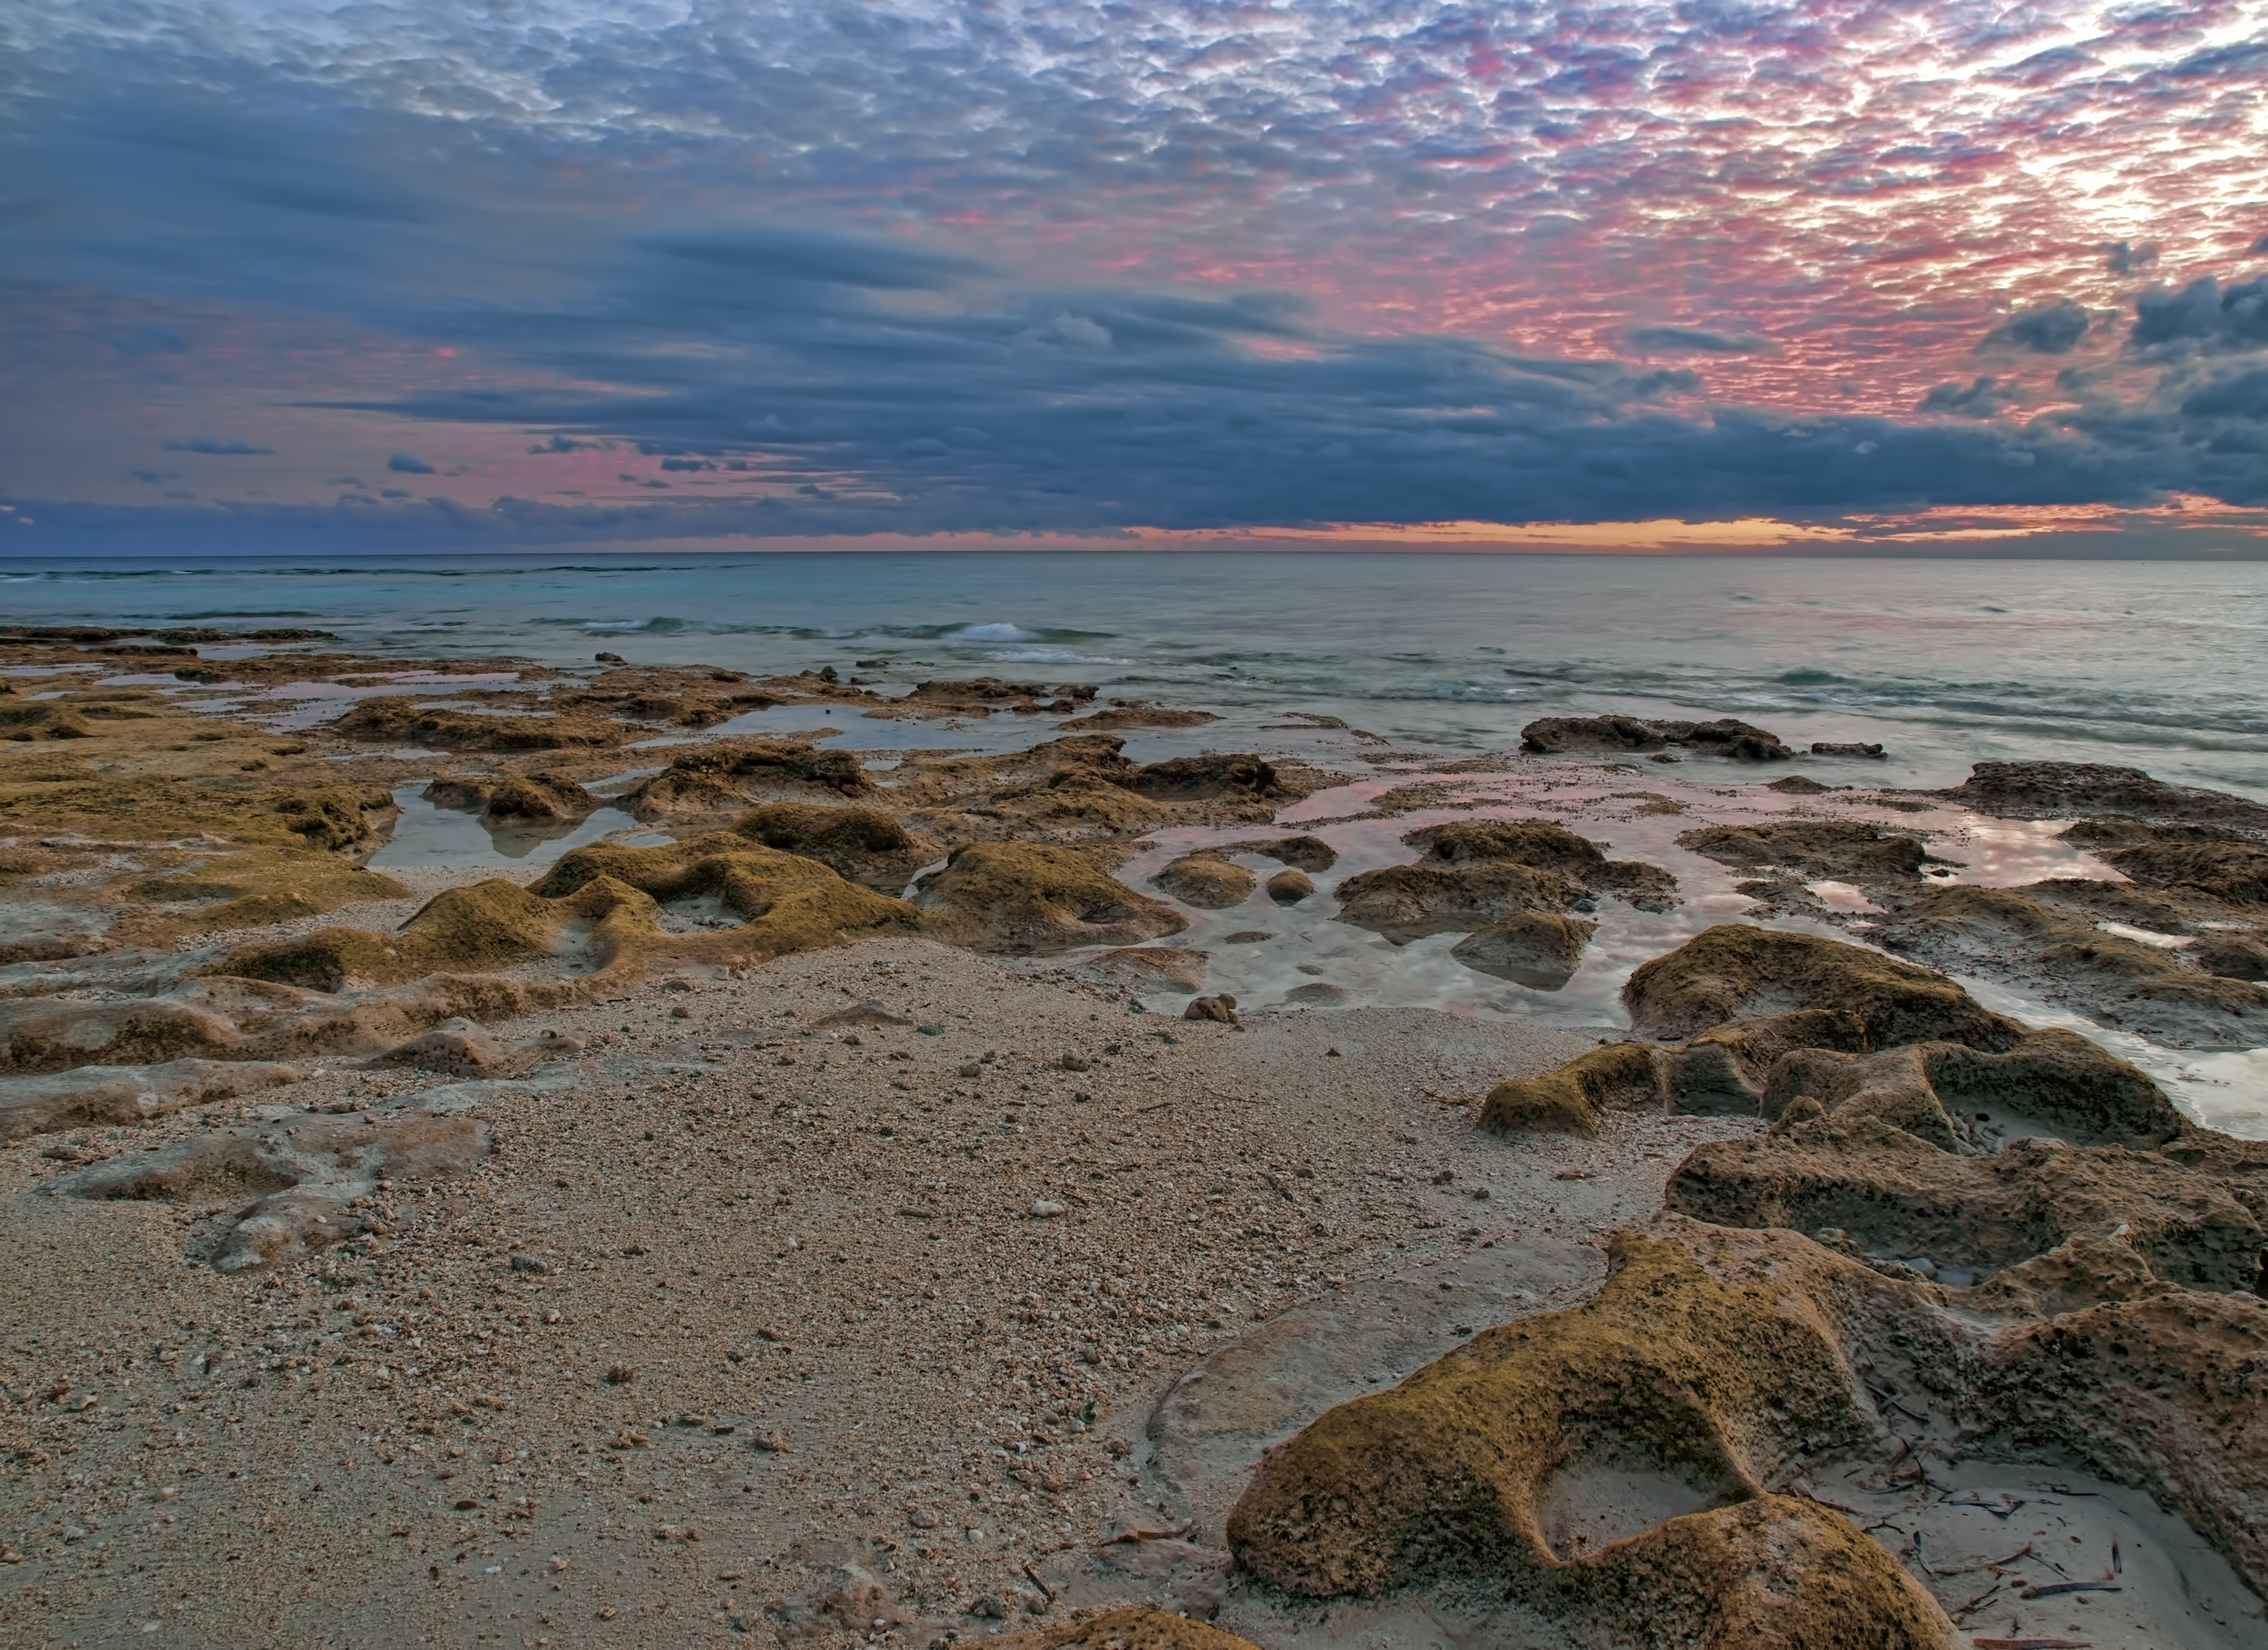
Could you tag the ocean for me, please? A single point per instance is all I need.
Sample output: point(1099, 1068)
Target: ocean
point(2156, 665)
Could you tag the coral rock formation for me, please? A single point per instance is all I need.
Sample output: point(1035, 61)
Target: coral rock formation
point(1538, 949)
point(1706, 1385)
point(1207, 881)
point(1024, 898)
point(1727, 737)
point(1474, 872)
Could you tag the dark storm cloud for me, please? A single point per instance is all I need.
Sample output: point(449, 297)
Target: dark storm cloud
point(409, 464)
point(2202, 313)
point(2051, 329)
point(219, 449)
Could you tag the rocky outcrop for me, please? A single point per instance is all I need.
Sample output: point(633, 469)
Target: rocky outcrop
point(494, 924)
point(2112, 978)
point(980, 696)
point(1767, 1019)
point(1477, 872)
point(443, 727)
point(1135, 713)
point(95, 1096)
point(1893, 1195)
point(1671, 1374)
point(1023, 898)
point(1847, 848)
point(1735, 971)
point(1214, 776)
point(1307, 854)
point(2056, 790)
point(1206, 881)
point(455, 1048)
point(723, 778)
point(515, 800)
point(226, 1018)
point(1537, 949)
point(1740, 741)
point(784, 903)
point(864, 845)
point(2205, 865)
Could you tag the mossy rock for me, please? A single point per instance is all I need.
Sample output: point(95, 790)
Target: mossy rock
point(1736, 971)
point(1206, 881)
point(1668, 1367)
point(1023, 898)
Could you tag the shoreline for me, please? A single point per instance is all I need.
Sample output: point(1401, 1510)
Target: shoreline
point(633, 1130)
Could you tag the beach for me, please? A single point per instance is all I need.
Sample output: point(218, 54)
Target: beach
point(638, 1148)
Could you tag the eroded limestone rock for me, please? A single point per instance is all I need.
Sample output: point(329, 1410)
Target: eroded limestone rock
point(1739, 740)
point(1672, 1370)
point(1538, 949)
point(1475, 872)
point(1206, 881)
point(1024, 898)
point(864, 844)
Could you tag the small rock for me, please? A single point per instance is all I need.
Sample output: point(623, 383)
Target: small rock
point(922, 1518)
point(533, 1264)
point(1073, 1062)
point(1045, 1209)
point(1289, 887)
point(1221, 1009)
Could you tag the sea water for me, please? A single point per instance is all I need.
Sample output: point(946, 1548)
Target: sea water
point(2153, 664)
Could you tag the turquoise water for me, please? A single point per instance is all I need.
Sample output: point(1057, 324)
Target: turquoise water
point(2153, 664)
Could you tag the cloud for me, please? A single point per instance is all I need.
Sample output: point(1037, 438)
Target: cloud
point(920, 268)
point(2202, 313)
point(2126, 259)
point(2240, 396)
point(1661, 339)
point(1980, 399)
point(2052, 329)
point(206, 445)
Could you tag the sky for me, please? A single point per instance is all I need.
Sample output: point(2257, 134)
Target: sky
point(1828, 275)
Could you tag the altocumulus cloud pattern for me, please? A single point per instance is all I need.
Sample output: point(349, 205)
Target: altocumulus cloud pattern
point(572, 271)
